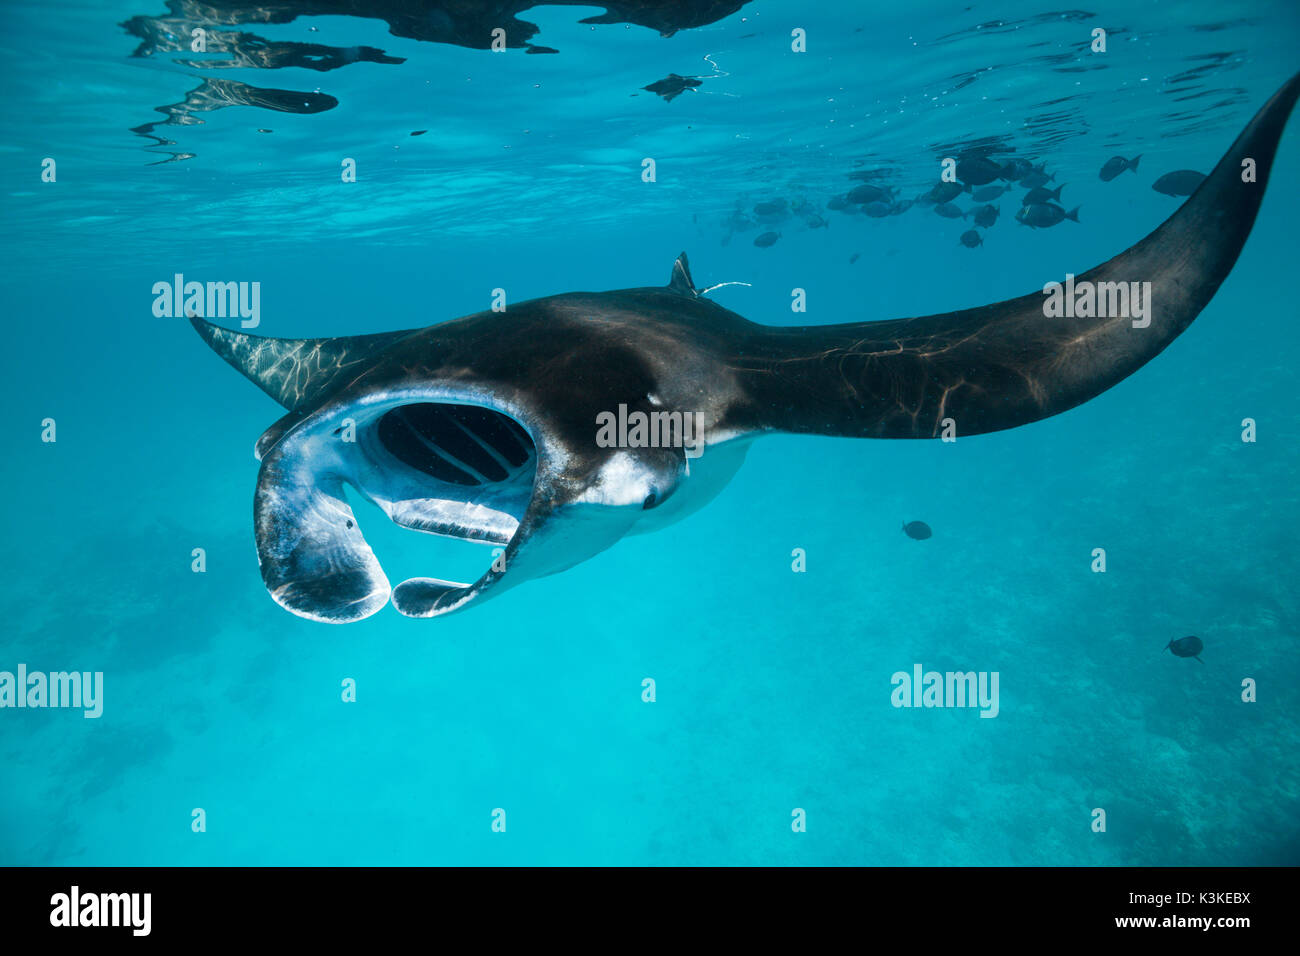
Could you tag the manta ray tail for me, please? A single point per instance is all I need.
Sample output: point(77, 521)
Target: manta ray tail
point(1014, 362)
point(293, 371)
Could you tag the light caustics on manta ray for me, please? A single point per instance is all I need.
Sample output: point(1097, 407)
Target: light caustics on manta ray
point(483, 428)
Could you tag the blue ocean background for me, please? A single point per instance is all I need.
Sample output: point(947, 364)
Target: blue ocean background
point(773, 687)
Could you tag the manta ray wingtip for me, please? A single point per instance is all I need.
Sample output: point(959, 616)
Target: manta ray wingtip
point(207, 331)
point(292, 371)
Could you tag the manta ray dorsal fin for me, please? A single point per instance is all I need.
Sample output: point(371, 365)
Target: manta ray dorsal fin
point(681, 280)
point(293, 371)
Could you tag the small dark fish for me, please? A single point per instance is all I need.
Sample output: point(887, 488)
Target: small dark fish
point(419, 132)
point(1187, 647)
point(1014, 170)
point(986, 216)
point(1180, 183)
point(867, 193)
point(877, 210)
point(773, 208)
point(900, 207)
point(855, 257)
point(945, 192)
point(1041, 194)
point(672, 86)
point(949, 211)
point(816, 222)
point(977, 171)
point(917, 530)
point(988, 193)
point(268, 131)
point(1037, 176)
point(1040, 217)
point(837, 202)
point(1116, 165)
point(767, 239)
point(970, 239)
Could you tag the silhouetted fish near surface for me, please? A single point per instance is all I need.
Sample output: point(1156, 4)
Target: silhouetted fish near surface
point(1040, 195)
point(949, 211)
point(1182, 182)
point(900, 207)
point(767, 239)
point(837, 202)
point(774, 208)
point(945, 192)
point(1014, 170)
point(917, 530)
point(877, 210)
point(986, 216)
point(988, 193)
point(1042, 216)
point(977, 171)
point(1187, 647)
point(739, 222)
point(855, 257)
point(1116, 165)
point(970, 239)
point(1037, 176)
point(672, 86)
point(816, 222)
point(867, 193)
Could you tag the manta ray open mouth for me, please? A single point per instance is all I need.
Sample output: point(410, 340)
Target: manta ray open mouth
point(477, 468)
point(444, 467)
point(462, 444)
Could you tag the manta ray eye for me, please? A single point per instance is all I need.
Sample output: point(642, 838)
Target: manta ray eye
point(650, 501)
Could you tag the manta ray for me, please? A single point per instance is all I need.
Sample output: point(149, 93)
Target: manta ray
point(488, 428)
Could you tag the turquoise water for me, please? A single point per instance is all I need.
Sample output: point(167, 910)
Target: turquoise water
point(773, 687)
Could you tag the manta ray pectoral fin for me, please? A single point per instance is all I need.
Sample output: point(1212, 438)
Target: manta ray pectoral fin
point(293, 371)
point(1006, 364)
point(313, 557)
